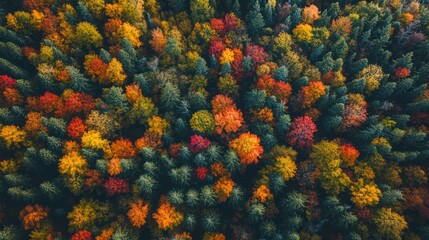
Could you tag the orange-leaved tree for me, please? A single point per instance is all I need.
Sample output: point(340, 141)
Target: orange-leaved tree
point(248, 148)
point(166, 216)
point(138, 213)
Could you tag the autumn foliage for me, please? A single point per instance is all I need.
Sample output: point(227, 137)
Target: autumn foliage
point(302, 132)
point(214, 120)
point(248, 147)
point(138, 213)
point(166, 216)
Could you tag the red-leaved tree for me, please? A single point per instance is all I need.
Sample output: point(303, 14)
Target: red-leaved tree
point(302, 132)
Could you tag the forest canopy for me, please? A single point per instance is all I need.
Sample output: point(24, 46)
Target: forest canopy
point(214, 119)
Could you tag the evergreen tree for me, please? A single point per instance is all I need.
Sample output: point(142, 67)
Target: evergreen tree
point(170, 96)
point(255, 20)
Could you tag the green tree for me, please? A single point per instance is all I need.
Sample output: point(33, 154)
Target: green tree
point(170, 96)
point(201, 11)
point(255, 20)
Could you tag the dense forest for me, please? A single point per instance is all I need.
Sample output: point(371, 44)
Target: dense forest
point(214, 120)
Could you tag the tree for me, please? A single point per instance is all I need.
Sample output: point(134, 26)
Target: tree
point(12, 136)
point(279, 89)
point(282, 43)
point(248, 148)
point(96, 7)
point(34, 124)
point(201, 67)
point(173, 48)
point(342, 26)
point(349, 154)
point(93, 139)
point(218, 25)
point(96, 68)
point(302, 132)
point(115, 186)
point(262, 194)
point(201, 11)
point(312, 92)
point(87, 214)
point(72, 164)
point(327, 155)
point(76, 128)
point(227, 56)
point(32, 216)
point(82, 235)
point(339, 214)
point(20, 21)
point(202, 121)
point(87, 35)
point(355, 112)
point(170, 96)
point(142, 110)
point(198, 144)
point(365, 194)
point(223, 188)
point(286, 167)
point(227, 85)
point(158, 41)
point(122, 148)
point(257, 54)
point(229, 120)
point(166, 215)
point(255, 19)
point(372, 75)
point(116, 72)
point(389, 224)
point(221, 102)
point(281, 74)
point(303, 32)
point(310, 14)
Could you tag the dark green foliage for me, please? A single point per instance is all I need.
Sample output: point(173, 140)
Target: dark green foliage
point(338, 214)
point(77, 82)
point(170, 96)
point(181, 175)
point(12, 70)
point(146, 184)
point(281, 74)
point(208, 196)
point(210, 221)
point(255, 20)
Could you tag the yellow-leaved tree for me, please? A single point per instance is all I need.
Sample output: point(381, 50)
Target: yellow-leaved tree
point(12, 136)
point(115, 72)
point(327, 156)
point(365, 194)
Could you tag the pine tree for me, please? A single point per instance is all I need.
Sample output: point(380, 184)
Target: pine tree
point(256, 212)
point(170, 96)
point(208, 196)
point(181, 175)
point(146, 184)
point(255, 20)
point(236, 8)
point(84, 12)
point(210, 221)
point(201, 67)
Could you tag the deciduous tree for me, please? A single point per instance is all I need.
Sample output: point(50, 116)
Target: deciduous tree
point(248, 148)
